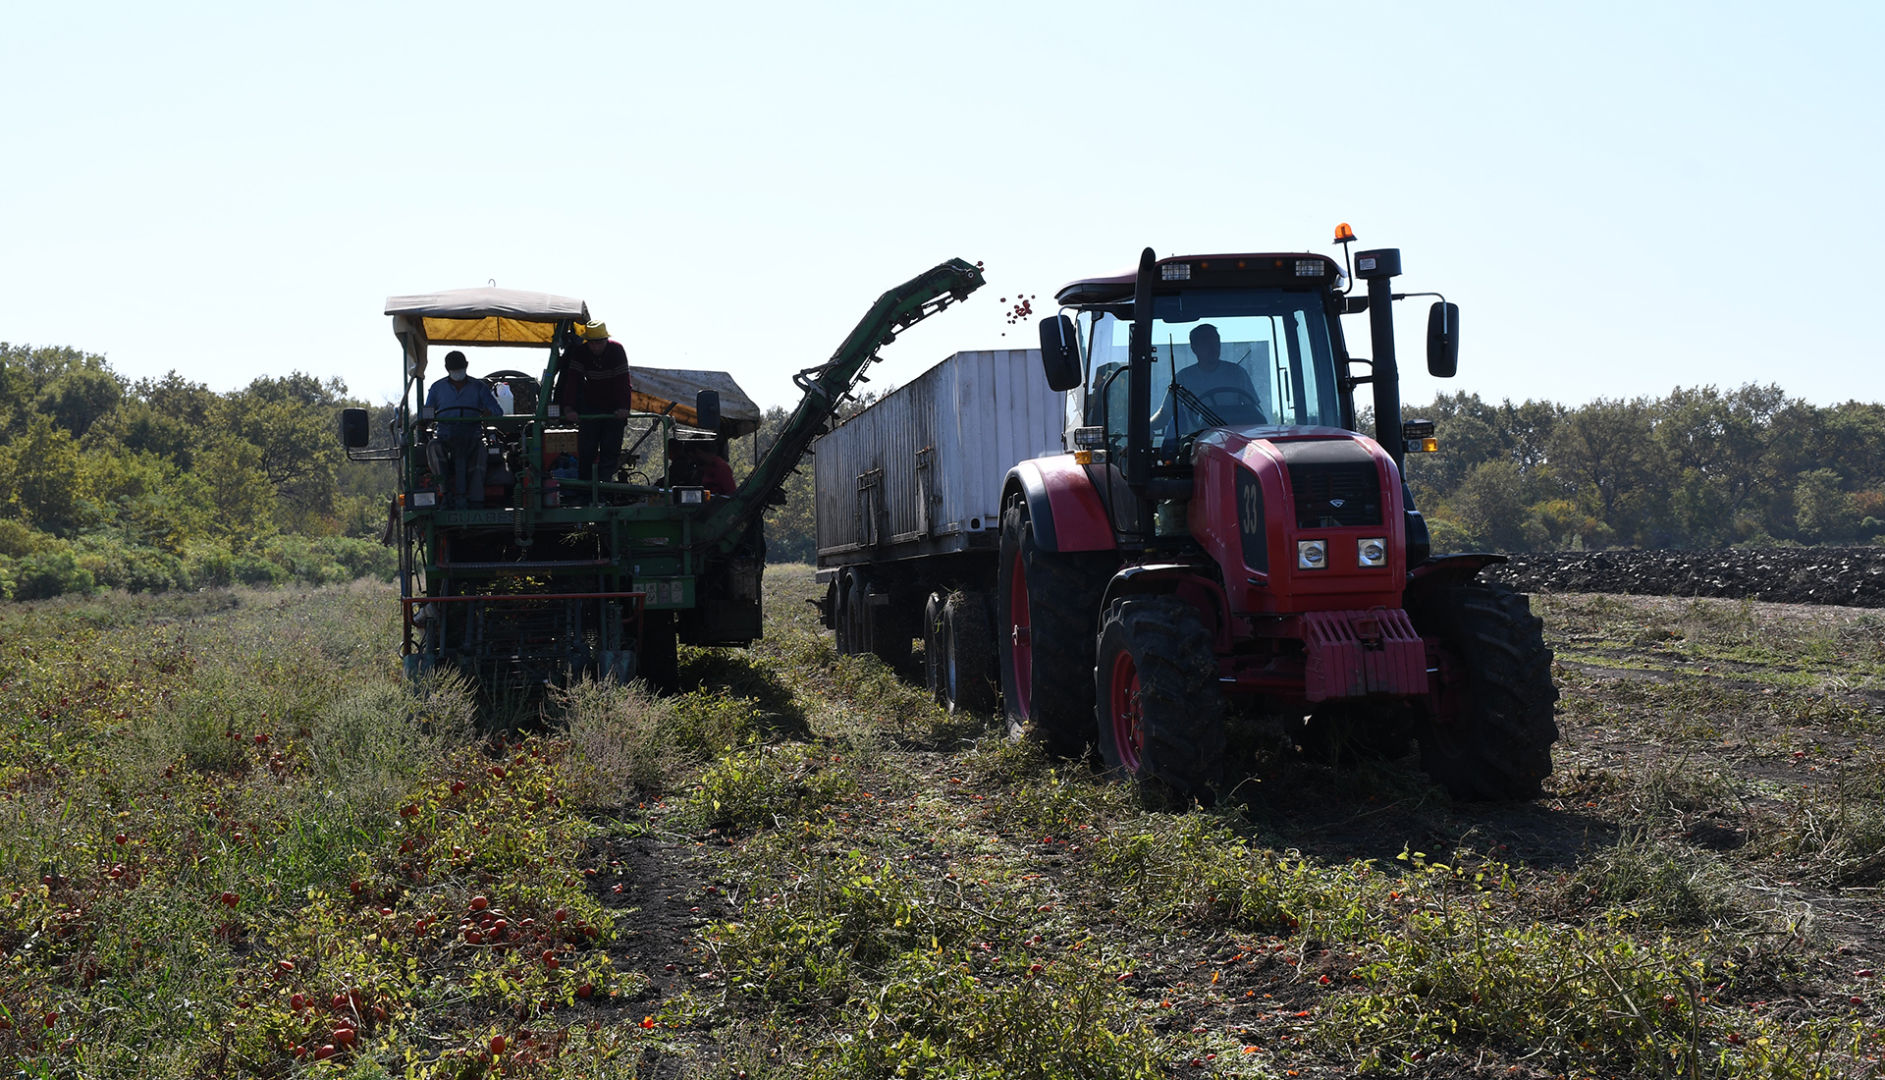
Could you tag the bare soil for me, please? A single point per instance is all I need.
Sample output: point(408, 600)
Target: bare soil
point(1854, 577)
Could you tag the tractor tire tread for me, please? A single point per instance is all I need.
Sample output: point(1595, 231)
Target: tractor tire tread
point(1064, 590)
point(1181, 708)
point(1499, 749)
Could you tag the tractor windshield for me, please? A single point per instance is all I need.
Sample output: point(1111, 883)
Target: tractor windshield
point(1241, 357)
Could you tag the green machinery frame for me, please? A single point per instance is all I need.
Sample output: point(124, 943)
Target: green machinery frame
point(542, 589)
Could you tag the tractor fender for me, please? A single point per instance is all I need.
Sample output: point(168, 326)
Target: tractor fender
point(1064, 508)
point(1440, 571)
point(1184, 580)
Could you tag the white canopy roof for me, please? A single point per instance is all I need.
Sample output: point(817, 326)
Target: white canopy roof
point(477, 317)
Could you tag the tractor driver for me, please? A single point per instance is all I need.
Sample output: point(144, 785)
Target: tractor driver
point(458, 399)
point(1209, 384)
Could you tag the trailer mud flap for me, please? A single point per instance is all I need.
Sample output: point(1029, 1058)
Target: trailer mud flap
point(1352, 654)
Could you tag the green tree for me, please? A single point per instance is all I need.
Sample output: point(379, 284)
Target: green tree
point(1606, 450)
point(1822, 509)
point(244, 500)
point(27, 372)
point(80, 398)
point(171, 416)
point(41, 477)
point(145, 498)
point(1718, 446)
point(1488, 506)
point(292, 422)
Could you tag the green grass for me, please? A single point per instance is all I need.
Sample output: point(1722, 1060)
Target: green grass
point(878, 889)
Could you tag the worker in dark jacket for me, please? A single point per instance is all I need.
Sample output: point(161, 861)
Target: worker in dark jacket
point(698, 463)
point(462, 402)
point(594, 385)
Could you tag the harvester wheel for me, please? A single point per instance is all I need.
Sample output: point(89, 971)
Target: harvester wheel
point(659, 662)
point(935, 647)
point(969, 655)
point(1047, 608)
point(1161, 716)
point(1490, 737)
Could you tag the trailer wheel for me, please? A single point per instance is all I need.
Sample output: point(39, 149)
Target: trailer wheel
point(845, 608)
point(1489, 736)
point(968, 654)
point(1161, 716)
point(866, 628)
point(890, 635)
point(1047, 607)
point(935, 645)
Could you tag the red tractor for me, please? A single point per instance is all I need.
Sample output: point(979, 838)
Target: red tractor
point(1223, 546)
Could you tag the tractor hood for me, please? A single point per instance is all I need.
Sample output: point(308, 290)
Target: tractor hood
point(1318, 517)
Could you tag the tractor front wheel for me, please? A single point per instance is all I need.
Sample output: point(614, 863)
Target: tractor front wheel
point(1488, 735)
point(1047, 605)
point(1161, 716)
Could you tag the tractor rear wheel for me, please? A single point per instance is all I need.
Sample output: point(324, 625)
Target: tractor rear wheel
point(969, 653)
point(1490, 738)
point(1160, 714)
point(1047, 607)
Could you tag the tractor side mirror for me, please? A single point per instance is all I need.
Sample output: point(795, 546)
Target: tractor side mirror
point(353, 428)
point(707, 410)
point(1443, 340)
point(1060, 356)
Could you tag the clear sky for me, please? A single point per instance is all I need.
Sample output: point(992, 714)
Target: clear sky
point(1622, 197)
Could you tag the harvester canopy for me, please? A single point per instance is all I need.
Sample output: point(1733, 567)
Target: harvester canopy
point(480, 317)
point(513, 317)
point(672, 390)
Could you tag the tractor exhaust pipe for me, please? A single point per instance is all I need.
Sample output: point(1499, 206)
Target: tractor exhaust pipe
point(1378, 268)
point(1139, 379)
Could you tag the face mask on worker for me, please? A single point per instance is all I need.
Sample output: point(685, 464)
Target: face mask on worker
point(458, 374)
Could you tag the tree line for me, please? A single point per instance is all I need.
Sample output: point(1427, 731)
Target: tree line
point(152, 484)
point(164, 483)
point(1699, 468)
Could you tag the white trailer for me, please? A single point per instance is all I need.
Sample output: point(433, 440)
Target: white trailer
point(909, 513)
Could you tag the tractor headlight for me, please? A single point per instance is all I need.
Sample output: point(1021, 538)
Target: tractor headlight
point(1372, 552)
point(1312, 554)
point(424, 499)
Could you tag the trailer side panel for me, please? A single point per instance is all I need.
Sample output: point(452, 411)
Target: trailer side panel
point(920, 471)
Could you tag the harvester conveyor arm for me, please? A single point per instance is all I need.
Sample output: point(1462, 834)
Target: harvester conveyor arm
point(826, 388)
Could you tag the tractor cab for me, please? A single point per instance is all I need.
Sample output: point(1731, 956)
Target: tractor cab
point(1241, 341)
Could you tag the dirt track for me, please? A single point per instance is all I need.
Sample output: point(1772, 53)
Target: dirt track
point(1853, 577)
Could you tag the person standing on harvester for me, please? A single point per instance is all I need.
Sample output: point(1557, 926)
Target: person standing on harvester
point(594, 384)
point(461, 402)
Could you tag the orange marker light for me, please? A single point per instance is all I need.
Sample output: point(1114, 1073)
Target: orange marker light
point(1343, 234)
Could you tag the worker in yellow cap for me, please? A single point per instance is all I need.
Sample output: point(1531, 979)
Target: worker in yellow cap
point(594, 386)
